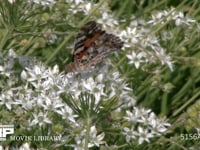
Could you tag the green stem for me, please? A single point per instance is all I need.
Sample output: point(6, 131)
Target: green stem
point(87, 134)
point(5, 38)
point(191, 100)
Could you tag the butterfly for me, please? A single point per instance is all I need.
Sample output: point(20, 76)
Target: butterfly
point(92, 45)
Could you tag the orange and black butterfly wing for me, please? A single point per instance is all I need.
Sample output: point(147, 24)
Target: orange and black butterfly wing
point(92, 45)
point(85, 41)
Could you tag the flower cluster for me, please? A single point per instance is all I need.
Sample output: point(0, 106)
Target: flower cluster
point(45, 96)
point(162, 17)
point(145, 46)
point(149, 126)
point(106, 18)
point(43, 91)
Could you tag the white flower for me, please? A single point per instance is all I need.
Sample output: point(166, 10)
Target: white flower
point(51, 102)
point(24, 75)
point(107, 21)
point(67, 113)
point(40, 119)
point(165, 59)
point(25, 146)
point(130, 134)
point(136, 115)
point(37, 73)
point(75, 89)
point(26, 100)
point(130, 117)
point(54, 71)
point(136, 59)
point(158, 125)
point(94, 138)
point(5, 71)
point(88, 7)
point(130, 37)
point(99, 78)
point(12, 54)
point(6, 98)
point(144, 135)
point(1, 147)
point(94, 88)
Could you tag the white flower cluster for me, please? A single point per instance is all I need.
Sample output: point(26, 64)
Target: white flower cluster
point(106, 18)
point(143, 125)
point(165, 16)
point(145, 46)
point(40, 91)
